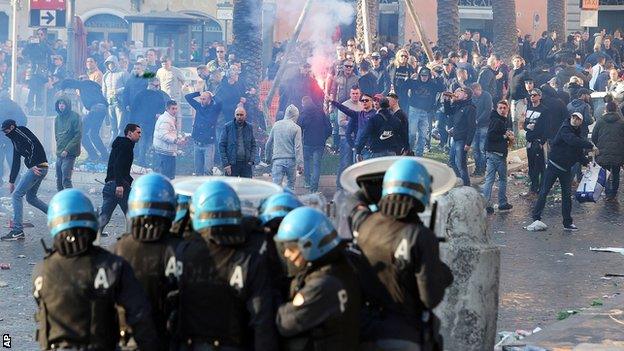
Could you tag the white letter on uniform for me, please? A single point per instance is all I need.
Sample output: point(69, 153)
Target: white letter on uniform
point(101, 281)
point(343, 298)
point(237, 277)
point(402, 252)
point(38, 285)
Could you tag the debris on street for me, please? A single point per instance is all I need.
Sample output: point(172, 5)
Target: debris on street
point(565, 314)
point(619, 250)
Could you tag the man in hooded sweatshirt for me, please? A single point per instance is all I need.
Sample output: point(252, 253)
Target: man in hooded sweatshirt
point(113, 84)
point(284, 148)
point(423, 92)
point(67, 132)
point(607, 136)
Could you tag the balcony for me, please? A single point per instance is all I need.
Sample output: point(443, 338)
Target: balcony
point(476, 3)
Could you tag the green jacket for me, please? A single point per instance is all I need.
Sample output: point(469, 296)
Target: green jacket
point(67, 130)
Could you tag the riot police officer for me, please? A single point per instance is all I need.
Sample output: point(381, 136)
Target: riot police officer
point(181, 226)
point(149, 246)
point(406, 277)
point(77, 285)
point(323, 313)
point(272, 211)
point(225, 300)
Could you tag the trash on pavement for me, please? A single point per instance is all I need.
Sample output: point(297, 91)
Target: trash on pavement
point(565, 314)
point(5, 266)
point(21, 256)
point(619, 250)
point(614, 275)
point(3, 284)
point(515, 159)
point(596, 302)
point(569, 254)
point(509, 341)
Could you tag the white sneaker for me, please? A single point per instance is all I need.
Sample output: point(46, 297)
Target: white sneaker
point(537, 226)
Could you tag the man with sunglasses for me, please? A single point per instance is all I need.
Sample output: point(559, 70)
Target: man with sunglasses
point(535, 127)
point(25, 144)
point(357, 119)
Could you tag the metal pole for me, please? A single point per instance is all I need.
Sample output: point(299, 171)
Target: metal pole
point(366, 25)
point(71, 40)
point(283, 64)
point(419, 29)
point(225, 41)
point(14, 50)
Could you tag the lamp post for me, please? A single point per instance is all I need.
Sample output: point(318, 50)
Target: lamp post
point(16, 6)
point(71, 40)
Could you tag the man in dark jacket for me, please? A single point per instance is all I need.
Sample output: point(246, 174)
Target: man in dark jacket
point(383, 133)
point(67, 132)
point(535, 126)
point(315, 128)
point(608, 135)
point(368, 80)
point(204, 130)
point(357, 119)
point(398, 112)
point(145, 109)
point(25, 144)
point(488, 77)
point(422, 102)
point(499, 135)
point(238, 146)
point(93, 100)
point(118, 179)
point(461, 127)
point(557, 111)
point(10, 110)
point(567, 149)
point(136, 84)
point(517, 92)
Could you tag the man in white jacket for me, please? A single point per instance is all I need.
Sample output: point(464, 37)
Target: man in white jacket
point(284, 148)
point(166, 140)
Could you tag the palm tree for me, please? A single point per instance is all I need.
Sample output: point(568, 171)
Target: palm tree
point(448, 25)
point(556, 13)
point(504, 20)
point(373, 20)
point(247, 44)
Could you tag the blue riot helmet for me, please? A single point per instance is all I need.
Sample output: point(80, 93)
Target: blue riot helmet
point(152, 195)
point(71, 208)
point(311, 230)
point(72, 221)
point(406, 187)
point(278, 206)
point(184, 202)
point(215, 204)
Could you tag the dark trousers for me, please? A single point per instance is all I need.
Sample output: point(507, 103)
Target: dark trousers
point(91, 133)
point(166, 165)
point(442, 119)
point(111, 201)
point(241, 169)
point(144, 145)
point(551, 174)
point(613, 182)
point(535, 157)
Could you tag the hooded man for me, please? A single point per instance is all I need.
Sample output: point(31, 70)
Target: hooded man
point(284, 148)
point(423, 92)
point(113, 84)
point(67, 132)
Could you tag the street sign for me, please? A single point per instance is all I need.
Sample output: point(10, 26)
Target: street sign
point(589, 18)
point(47, 5)
point(47, 18)
point(590, 4)
point(225, 14)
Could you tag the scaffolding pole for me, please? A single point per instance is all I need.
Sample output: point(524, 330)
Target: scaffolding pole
point(419, 29)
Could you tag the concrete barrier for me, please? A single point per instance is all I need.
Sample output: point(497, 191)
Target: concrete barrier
point(470, 307)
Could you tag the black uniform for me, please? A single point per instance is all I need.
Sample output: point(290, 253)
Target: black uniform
point(406, 277)
point(77, 297)
point(225, 296)
point(155, 267)
point(324, 313)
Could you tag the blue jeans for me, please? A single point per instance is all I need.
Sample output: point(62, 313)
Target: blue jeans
point(418, 128)
point(496, 164)
point(346, 159)
point(110, 202)
point(6, 152)
point(204, 158)
point(613, 183)
point(64, 170)
point(457, 159)
point(91, 140)
point(442, 120)
point(312, 156)
point(166, 165)
point(478, 149)
point(28, 186)
point(284, 167)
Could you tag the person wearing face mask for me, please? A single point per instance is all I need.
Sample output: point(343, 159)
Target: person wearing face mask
point(566, 150)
